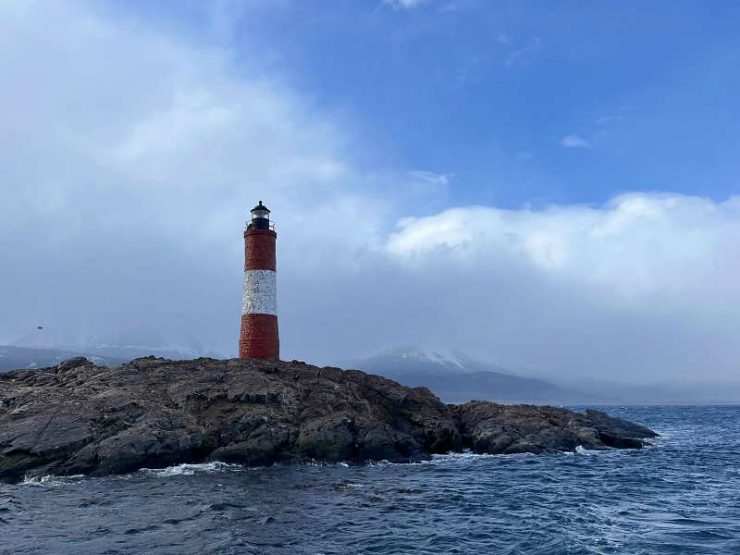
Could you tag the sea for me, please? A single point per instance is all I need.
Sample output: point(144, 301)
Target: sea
point(680, 495)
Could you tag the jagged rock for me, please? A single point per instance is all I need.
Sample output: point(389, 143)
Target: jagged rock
point(81, 418)
point(492, 428)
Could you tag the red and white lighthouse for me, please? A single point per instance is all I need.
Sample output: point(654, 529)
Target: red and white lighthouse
point(259, 333)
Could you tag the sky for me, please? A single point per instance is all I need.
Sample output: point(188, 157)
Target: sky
point(541, 185)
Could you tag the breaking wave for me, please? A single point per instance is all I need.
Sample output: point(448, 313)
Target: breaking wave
point(191, 469)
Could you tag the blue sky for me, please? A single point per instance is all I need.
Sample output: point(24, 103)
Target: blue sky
point(486, 92)
point(547, 185)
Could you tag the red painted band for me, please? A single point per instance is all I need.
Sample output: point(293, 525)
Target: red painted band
point(259, 249)
point(259, 337)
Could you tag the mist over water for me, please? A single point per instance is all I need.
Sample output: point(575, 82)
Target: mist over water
point(679, 496)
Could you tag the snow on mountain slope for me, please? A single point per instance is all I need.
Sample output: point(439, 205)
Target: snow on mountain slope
point(120, 348)
point(456, 377)
point(12, 357)
point(400, 360)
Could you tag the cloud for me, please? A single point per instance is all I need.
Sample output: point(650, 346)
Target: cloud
point(641, 286)
point(522, 55)
point(432, 178)
point(403, 4)
point(575, 141)
point(130, 159)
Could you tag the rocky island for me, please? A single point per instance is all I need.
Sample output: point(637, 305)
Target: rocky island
point(80, 418)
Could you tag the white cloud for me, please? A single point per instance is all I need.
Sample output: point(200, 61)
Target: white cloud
point(637, 245)
point(574, 141)
point(130, 160)
point(521, 56)
point(432, 178)
point(403, 4)
point(643, 285)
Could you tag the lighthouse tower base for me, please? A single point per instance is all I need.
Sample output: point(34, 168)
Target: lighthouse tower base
point(259, 337)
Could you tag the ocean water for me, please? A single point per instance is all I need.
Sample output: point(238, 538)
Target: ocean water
point(681, 495)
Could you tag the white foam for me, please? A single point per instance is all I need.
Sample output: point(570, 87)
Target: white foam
point(190, 469)
point(470, 456)
point(49, 480)
point(318, 463)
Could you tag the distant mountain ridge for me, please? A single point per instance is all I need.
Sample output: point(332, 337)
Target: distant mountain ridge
point(13, 357)
point(121, 347)
point(401, 360)
point(456, 377)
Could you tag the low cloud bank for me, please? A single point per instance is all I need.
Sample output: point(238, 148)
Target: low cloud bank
point(643, 286)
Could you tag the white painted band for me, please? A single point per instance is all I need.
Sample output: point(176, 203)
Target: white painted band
point(260, 292)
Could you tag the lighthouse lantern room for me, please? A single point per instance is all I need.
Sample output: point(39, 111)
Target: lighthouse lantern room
point(260, 217)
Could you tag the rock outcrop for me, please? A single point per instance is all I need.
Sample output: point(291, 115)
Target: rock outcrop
point(80, 418)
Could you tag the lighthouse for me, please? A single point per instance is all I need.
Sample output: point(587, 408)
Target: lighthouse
point(259, 332)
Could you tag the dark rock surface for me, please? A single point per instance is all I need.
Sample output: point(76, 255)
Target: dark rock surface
point(491, 428)
point(81, 418)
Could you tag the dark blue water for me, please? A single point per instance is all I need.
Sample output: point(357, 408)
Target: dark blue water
point(680, 496)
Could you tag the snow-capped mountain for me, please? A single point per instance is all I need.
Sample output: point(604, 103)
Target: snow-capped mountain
point(117, 347)
point(399, 360)
point(456, 377)
point(20, 356)
point(46, 348)
point(13, 357)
